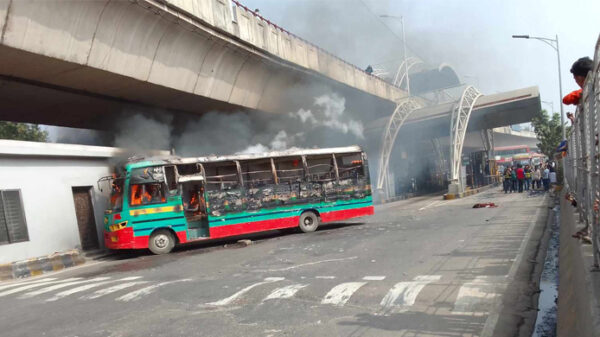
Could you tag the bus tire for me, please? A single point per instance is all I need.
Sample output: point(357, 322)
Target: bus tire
point(162, 241)
point(309, 222)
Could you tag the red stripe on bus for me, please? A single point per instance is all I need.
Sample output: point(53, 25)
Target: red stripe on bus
point(182, 236)
point(252, 227)
point(347, 214)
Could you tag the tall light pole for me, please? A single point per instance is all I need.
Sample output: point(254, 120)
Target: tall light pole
point(551, 104)
point(403, 49)
point(554, 44)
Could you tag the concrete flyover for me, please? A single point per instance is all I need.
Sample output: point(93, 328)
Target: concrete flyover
point(75, 62)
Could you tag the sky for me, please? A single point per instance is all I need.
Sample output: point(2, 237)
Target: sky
point(473, 36)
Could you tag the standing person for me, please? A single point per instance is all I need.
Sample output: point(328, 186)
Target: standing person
point(537, 177)
point(552, 175)
point(520, 177)
point(507, 183)
point(513, 179)
point(527, 181)
point(546, 178)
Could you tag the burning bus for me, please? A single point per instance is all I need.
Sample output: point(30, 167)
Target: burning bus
point(157, 203)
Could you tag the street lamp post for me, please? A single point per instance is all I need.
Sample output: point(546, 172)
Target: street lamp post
point(403, 49)
point(554, 44)
point(551, 104)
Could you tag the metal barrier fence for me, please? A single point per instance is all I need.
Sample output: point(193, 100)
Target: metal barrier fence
point(582, 164)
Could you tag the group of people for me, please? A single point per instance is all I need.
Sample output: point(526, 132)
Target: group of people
point(521, 178)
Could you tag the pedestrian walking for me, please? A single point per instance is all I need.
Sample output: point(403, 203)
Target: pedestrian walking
point(520, 177)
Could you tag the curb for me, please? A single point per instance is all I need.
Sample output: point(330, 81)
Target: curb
point(450, 196)
point(41, 265)
point(579, 282)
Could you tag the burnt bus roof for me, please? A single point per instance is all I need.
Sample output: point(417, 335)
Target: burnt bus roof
point(162, 160)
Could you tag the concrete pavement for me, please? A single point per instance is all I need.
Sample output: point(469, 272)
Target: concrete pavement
point(424, 267)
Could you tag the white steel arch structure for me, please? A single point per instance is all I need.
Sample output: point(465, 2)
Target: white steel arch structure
point(402, 111)
point(458, 128)
point(410, 62)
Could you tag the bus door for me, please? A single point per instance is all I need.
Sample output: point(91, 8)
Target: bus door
point(194, 205)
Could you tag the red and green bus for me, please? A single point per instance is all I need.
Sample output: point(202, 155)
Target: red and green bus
point(157, 203)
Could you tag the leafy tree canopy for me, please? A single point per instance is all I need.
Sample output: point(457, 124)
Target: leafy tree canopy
point(22, 131)
point(548, 131)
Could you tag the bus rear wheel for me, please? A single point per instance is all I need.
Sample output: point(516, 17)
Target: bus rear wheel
point(161, 242)
point(309, 222)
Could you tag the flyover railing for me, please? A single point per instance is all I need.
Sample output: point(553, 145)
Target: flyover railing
point(582, 164)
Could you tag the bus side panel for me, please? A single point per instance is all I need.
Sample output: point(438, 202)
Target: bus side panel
point(347, 214)
point(253, 227)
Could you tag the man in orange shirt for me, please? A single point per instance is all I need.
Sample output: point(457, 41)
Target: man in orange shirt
point(579, 69)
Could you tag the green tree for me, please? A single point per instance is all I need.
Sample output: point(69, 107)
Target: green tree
point(22, 131)
point(548, 131)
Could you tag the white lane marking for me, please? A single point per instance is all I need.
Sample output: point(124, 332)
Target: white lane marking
point(308, 264)
point(325, 277)
point(405, 293)
point(6, 286)
point(237, 295)
point(136, 295)
point(60, 286)
point(475, 297)
point(110, 290)
point(285, 292)
point(431, 204)
point(341, 293)
point(34, 285)
point(79, 289)
point(374, 278)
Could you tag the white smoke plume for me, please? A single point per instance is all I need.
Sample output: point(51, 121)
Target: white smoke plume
point(330, 111)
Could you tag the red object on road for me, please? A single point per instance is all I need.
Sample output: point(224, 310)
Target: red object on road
point(485, 205)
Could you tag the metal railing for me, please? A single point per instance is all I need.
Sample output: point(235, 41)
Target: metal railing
point(582, 164)
point(265, 20)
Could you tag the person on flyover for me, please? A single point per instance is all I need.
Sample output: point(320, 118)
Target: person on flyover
point(579, 69)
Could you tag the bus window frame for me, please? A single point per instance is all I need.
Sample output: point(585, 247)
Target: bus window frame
point(167, 182)
point(333, 167)
point(287, 180)
point(208, 182)
point(164, 192)
point(247, 182)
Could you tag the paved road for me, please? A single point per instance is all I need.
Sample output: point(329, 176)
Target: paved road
point(423, 267)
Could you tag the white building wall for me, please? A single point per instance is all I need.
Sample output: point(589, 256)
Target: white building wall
point(45, 174)
point(45, 185)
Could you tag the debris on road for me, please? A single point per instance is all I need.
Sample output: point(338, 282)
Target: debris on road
point(485, 205)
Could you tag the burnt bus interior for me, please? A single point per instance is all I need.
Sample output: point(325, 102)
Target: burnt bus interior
point(251, 185)
point(222, 187)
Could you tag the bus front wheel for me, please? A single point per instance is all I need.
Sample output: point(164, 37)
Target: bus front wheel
point(309, 222)
point(161, 242)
